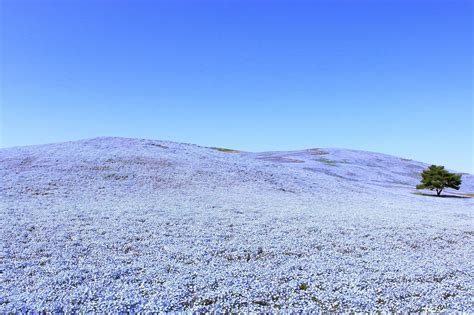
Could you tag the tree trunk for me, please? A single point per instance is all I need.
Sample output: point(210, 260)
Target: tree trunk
point(438, 191)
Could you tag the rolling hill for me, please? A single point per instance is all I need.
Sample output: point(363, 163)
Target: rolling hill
point(117, 224)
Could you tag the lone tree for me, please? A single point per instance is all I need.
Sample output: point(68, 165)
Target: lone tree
point(437, 178)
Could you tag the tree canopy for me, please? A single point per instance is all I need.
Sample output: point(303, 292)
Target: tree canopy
point(437, 178)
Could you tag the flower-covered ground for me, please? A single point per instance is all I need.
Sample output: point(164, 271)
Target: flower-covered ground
point(115, 224)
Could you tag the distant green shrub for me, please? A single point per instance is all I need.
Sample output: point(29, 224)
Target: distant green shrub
point(303, 286)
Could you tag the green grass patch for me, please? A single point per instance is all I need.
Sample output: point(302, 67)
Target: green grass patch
point(327, 161)
point(459, 196)
point(225, 150)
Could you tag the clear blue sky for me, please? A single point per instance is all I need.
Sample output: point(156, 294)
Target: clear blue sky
point(387, 76)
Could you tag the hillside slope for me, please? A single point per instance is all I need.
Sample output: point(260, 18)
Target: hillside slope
point(120, 224)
